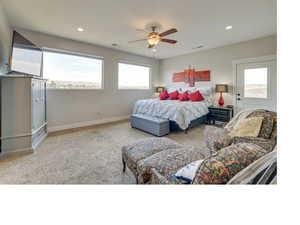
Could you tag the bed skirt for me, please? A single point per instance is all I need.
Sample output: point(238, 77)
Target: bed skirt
point(174, 126)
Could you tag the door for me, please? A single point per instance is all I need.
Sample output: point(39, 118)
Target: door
point(256, 85)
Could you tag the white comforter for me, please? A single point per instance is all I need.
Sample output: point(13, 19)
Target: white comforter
point(180, 112)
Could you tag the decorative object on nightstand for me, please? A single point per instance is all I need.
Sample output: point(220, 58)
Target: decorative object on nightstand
point(221, 88)
point(159, 89)
point(222, 114)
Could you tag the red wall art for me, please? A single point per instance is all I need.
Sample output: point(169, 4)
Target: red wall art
point(190, 76)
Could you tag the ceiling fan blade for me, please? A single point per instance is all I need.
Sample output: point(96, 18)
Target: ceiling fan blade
point(143, 30)
point(168, 41)
point(137, 40)
point(151, 46)
point(171, 31)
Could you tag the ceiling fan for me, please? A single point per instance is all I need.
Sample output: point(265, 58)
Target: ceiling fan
point(154, 37)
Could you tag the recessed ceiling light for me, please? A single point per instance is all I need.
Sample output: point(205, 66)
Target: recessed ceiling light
point(228, 28)
point(80, 29)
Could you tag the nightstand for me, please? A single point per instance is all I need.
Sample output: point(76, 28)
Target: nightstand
point(221, 114)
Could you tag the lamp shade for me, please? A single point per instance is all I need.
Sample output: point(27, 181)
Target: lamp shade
point(159, 89)
point(222, 88)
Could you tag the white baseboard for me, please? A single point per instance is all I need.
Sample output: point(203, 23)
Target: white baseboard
point(17, 152)
point(87, 123)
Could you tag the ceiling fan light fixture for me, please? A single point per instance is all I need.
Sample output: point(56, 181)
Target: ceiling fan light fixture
point(153, 39)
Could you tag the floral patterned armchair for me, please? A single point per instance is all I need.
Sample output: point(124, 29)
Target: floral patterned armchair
point(218, 168)
point(160, 166)
point(217, 138)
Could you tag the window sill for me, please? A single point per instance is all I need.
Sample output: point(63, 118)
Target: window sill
point(75, 89)
point(134, 89)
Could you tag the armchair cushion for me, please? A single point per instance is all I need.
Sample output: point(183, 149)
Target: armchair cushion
point(223, 165)
point(247, 127)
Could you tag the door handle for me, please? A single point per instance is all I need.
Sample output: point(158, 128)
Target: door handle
point(238, 99)
point(238, 94)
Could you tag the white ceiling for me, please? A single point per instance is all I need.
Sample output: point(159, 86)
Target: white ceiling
point(199, 22)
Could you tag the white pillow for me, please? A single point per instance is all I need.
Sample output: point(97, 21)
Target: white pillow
point(188, 172)
point(204, 90)
point(172, 89)
point(209, 99)
point(189, 89)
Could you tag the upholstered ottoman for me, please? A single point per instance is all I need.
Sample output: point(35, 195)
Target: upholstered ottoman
point(133, 152)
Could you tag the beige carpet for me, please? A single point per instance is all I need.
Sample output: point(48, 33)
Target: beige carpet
point(87, 156)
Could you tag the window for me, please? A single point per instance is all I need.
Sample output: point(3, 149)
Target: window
point(256, 83)
point(70, 71)
point(26, 60)
point(133, 76)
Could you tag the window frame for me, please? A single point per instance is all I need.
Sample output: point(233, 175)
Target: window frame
point(66, 52)
point(135, 64)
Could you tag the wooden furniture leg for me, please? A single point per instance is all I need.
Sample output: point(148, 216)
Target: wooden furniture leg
point(124, 165)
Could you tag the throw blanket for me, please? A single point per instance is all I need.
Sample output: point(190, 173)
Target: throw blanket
point(180, 112)
point(238, 117)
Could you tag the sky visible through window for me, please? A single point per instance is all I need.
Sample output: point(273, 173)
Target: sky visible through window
point(133, 76)
point(71, 71)
point(26, 60)
point(256, 81)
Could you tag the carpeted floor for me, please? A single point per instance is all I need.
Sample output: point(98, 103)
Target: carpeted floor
point(86, 156)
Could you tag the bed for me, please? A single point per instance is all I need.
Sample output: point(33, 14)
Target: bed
point(182, 115)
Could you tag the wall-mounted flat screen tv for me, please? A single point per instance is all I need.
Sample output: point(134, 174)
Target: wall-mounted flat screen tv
point(26, 57)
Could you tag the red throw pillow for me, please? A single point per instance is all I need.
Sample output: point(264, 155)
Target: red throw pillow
point(196, 96)
point(184, 96)
point(164, 95)
point(173, 95)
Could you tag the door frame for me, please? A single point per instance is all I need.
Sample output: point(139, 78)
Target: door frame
point(235, 64)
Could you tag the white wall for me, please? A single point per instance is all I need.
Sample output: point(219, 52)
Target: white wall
point(74, 107)
point(5, 40)
point(66, 108)
point(218, 60)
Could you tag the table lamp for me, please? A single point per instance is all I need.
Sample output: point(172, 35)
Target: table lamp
point(159, 89)
point(221, 88)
